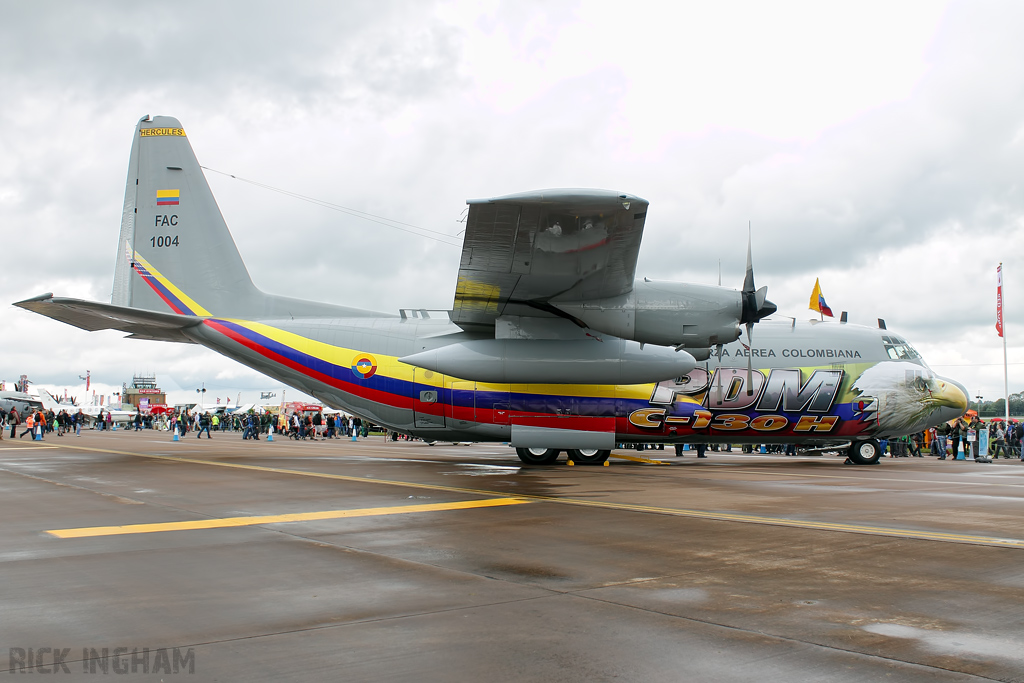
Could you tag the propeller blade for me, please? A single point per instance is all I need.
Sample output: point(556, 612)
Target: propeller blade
point(750, 355)
point(748, 280)
point(760, 296)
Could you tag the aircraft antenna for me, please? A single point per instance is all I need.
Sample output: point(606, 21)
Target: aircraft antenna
point(441, 237)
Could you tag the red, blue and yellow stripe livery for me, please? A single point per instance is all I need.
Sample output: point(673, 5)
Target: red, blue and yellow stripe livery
point(177, 300)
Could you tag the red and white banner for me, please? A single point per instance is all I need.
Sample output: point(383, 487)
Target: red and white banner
point(999, 300)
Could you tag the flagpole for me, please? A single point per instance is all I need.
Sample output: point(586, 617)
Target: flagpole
point(1006, 382)
point(1001, 327)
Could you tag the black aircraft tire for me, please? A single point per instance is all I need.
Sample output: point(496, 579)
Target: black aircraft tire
point(538, 456)
point(865, 452)
point(589, 456)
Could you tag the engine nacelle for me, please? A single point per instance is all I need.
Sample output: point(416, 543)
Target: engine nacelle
point(665, 313)
point(550, 361)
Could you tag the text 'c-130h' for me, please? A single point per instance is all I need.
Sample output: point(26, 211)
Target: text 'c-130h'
point(552, 344)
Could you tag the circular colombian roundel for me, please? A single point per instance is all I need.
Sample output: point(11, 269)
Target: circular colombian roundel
point(364, 365)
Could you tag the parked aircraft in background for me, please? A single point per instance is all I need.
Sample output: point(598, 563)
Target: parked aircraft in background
point(551, 344)
point(56, 404)
point(33, 401)
point(21, 401)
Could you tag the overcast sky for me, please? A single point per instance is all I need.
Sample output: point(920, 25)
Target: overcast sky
point(878, 146)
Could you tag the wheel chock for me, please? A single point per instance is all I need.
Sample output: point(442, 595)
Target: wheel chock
point(570, 463)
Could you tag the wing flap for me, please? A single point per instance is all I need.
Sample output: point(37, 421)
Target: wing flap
point(92, 316)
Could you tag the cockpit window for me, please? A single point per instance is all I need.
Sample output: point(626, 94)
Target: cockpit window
point(898, 348)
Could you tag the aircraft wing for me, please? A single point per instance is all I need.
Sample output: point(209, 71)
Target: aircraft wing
point(522, 250)
point(92, 316)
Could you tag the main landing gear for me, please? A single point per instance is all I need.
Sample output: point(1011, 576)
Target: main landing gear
point(588, 456)
point(864, 452)
point(538, 456)
point(548, 456)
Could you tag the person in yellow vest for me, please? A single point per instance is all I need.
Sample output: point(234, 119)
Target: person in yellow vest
point(216, 423)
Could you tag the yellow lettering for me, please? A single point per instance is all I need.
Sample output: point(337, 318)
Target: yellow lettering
point(647, 417)
point(769, 423)
point(730, 423)
point(701, 419)
point(156, 132)
point(810, 423)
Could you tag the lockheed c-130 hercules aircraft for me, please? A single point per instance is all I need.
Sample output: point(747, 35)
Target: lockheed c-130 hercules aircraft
point(551, 344)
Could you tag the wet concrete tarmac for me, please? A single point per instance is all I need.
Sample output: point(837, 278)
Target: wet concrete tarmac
point(404, 562)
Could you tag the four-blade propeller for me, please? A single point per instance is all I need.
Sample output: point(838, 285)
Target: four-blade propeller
point(754, 307)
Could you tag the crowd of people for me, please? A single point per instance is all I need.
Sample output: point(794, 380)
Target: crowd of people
point(38, 423)
point(949, 439)
point(253, 425)
point(300, 426)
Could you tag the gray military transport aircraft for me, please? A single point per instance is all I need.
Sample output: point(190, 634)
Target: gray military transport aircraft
point(551, 344)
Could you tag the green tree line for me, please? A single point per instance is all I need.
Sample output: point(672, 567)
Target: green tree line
point(997, 408)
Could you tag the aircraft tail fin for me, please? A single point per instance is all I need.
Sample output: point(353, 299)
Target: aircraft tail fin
point(173, 234)
point(175, 254)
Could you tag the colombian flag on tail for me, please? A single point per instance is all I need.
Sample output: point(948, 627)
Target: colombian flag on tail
point(167, 197)
point(818, 301)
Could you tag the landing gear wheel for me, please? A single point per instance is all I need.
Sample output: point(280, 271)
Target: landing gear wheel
point(588, 456)
point(538, 456)
point(865, 452)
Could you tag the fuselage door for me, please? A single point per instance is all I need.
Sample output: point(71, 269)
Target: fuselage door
point(492, 403)
point(461, 409)
point(477, 403)
point(428, 398)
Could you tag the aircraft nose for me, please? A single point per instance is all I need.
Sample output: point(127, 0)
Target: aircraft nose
point(951, 398)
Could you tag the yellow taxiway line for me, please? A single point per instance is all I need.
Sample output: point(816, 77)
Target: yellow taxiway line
point(893, 532)
point(224, 522)
point(637, 458)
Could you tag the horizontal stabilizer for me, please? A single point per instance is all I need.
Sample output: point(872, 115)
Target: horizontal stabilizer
point(92, 316)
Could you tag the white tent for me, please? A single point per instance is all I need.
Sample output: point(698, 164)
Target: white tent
point(242, 410)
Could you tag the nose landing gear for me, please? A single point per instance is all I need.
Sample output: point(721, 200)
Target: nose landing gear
point(865, 452)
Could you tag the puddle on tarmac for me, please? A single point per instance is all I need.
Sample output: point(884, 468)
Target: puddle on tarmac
point(955, 643)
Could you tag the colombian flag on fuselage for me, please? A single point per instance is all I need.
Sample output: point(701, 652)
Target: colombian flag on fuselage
point(818, 301)
point(167, 197)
